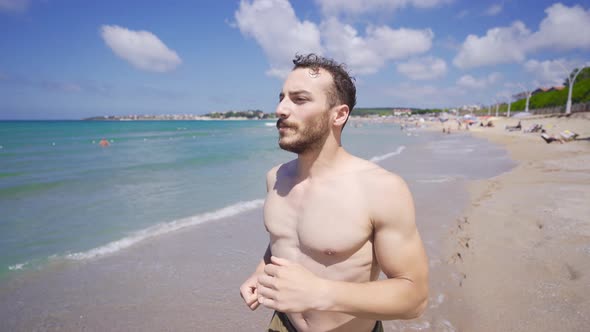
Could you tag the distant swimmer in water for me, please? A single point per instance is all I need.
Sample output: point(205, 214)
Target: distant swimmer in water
point(104, 143)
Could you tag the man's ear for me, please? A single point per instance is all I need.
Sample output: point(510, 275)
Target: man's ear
point(341, 113)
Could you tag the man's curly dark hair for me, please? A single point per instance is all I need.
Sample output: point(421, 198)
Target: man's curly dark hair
point(343, 91)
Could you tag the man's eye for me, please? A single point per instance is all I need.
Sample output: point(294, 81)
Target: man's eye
point(300, 100)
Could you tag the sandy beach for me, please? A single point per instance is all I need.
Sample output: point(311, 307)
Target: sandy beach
point(522, 247)
point(510, 253)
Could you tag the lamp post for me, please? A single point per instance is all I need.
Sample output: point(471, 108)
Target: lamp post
point(528, 96)
point(571, 78)
point(497, 106)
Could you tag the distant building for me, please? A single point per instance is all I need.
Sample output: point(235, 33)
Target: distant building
point(401, 111)
point(557, 88)
point(553, 88)
point(469, 108)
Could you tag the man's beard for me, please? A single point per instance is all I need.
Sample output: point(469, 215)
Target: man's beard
point(311, 138)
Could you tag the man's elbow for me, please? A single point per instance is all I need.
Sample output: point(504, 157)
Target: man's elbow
point(418, 305)
point(418, 310)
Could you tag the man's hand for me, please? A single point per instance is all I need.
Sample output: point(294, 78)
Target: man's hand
point(289, 287)
point(249, 292)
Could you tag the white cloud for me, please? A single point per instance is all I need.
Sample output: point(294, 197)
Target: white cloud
point(551, 72)
point(499, 45)
point(468, 81)
point(275, 27)
point(504, 96)
point(425, 68)
point(356, 7)
point(494, 9)
point(14, 5)
point(142, 49)
point(365, 55)
point(562, 29)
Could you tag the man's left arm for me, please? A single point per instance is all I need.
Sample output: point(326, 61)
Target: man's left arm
point(401, 256)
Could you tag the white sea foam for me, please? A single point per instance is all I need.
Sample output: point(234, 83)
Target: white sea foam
point(453, 150)
point(437, 180)
point(377, 159)
point(168, 227)
point(437, 301)
point(17, 266)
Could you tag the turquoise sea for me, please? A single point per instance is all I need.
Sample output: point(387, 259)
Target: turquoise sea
point(63, 196)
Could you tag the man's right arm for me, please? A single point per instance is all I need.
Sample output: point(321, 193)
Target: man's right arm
point(248, 290)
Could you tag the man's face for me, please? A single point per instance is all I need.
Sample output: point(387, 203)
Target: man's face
point(303, 110)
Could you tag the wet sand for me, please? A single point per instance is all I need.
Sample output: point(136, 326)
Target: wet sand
point(522, 247)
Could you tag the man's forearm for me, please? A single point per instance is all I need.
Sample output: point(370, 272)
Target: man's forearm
point(387, 299)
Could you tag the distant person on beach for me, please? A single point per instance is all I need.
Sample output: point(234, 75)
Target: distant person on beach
point(104, 143)
point(335, 221)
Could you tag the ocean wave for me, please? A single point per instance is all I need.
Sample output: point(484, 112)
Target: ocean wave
point(17, 266)
point(377, 159)
point(453, 150)
point(168, 227)
point(437, 180)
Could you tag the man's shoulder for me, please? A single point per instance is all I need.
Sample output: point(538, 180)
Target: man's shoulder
point(280, 170)
point(374, 175)
point(388, 197)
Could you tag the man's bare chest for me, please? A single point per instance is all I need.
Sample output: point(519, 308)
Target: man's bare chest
point(320, 221)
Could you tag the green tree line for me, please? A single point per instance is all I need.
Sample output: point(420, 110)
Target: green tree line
point(581, 94)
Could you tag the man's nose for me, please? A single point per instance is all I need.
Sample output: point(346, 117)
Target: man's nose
point(283, 110)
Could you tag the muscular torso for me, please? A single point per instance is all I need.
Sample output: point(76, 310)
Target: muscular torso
point(324, 224)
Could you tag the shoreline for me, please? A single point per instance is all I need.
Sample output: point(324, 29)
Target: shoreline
point(187, 279)
point(522, 249)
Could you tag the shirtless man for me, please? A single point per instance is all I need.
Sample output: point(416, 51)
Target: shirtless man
point(335, 221)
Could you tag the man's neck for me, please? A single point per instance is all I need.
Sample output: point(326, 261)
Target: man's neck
point(318, 162)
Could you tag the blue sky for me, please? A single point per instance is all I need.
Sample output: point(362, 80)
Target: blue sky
point(70, 59)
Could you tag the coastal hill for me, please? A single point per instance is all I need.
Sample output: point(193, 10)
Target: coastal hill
point(251, 115)
point(556, 97)
point(230, 115)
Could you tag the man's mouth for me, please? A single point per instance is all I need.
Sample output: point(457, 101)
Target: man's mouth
point(282, 126)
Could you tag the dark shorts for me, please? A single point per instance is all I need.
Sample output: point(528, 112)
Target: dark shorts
point(280, 323)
